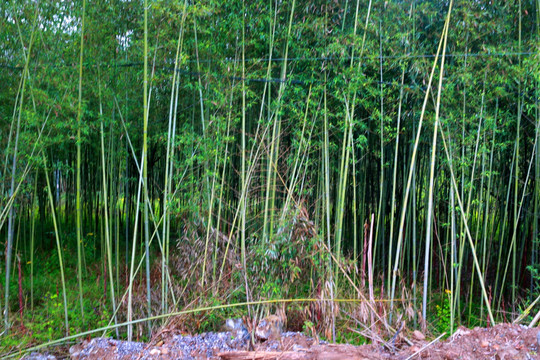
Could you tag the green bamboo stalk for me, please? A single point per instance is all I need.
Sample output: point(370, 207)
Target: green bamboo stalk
point(379, 228)
point(107, 238)
point(243, 165)
point(201, 102)
point(58, 246)
point(394, 176)
point(327, 210)
point(467, 232)
point(169, 165)
point(201, 99)
point(413, 235)
point(134, 270)
point(413, 197)
point(11, 199)
point(32, 242)
point(513, 242)
point(133, 252)
point(355, 216)
point(413, 162)
point(267, 87)
point(144, 165)
point(222, 186)
point(503, 235)
point(488, 202)
point(463, 149)
point(276, 135)
point(12, 125)
point(453, 260)
point(536, 221)
point(78, 185)
point(516, 182)
point(346, 144)
point(298, 160)
point(344, 167)
point(12, 192)
point(345, 15)
point(429, 218)
point(469, 201)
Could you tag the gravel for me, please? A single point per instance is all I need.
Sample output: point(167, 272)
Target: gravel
point(39, 356)
point(203, 346)
point(209, 344)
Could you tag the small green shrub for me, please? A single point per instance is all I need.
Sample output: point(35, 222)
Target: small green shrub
point(443, 315)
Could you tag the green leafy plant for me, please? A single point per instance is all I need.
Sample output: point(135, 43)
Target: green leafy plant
point(443, 315)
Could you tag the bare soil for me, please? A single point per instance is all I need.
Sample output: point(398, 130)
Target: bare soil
point(503, 341)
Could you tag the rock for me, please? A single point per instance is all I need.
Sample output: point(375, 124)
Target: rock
point(237, 328)
point(461, 332)
point(484, 344)
point(234, 324)
point(155, 352)
point(418, 335)
point(75, 351)
point(269, 328)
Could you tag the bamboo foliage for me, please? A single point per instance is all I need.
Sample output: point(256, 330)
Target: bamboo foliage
point(286, 149)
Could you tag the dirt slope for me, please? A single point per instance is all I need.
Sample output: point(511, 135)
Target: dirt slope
point(502, 342)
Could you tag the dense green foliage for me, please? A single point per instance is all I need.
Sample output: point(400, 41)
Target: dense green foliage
point(282, 137)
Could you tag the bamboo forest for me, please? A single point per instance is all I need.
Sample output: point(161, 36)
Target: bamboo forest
point(361, 175)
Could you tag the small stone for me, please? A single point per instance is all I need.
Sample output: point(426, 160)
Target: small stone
point(155, 352)
point(418, 335)
point(484, 344)
point(270, 328)
point(413, 349)
point(237, 328)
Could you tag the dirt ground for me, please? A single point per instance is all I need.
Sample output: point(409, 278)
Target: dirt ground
point(504, 341)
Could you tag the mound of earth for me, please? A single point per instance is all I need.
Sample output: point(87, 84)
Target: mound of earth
point(501, 342)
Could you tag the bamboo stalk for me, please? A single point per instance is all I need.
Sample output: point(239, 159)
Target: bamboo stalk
point(107, 238)
point(432, 171)
point(413, 161)
point(144, 164)
point(58, 247)
point(78, 176)
point(12, 192)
